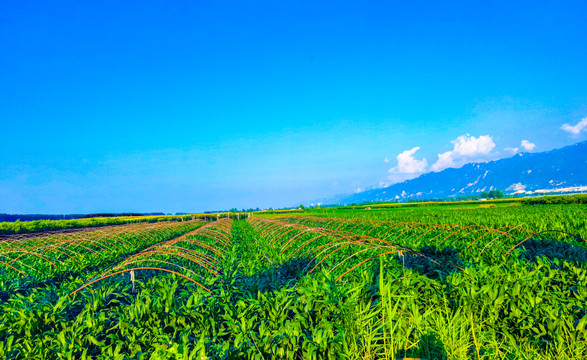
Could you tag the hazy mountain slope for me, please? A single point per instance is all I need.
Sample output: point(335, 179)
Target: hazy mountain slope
point(558, 168)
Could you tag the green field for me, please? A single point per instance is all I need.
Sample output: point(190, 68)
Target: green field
point(496, 280)
point(27, 227)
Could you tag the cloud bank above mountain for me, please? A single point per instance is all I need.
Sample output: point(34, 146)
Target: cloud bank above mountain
point(466, 149)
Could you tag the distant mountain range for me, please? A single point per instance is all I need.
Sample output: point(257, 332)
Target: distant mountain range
point(562, 169)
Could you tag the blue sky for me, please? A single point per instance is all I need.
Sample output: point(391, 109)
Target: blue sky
point(206, 105)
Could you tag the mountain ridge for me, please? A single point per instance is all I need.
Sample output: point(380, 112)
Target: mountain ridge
point(522, 173)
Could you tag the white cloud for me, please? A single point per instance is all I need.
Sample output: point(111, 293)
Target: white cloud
point(526, 145)
point(386, 160)
point(407, 164)
point(575, 130)
point(516, 187)
point(407, 168)
point(445, 160)
point(466, 147)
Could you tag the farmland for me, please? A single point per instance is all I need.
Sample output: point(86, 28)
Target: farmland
point(464, 281)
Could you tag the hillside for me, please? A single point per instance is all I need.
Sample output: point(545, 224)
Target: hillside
point(522, 173)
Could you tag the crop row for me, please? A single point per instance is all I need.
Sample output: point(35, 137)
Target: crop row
point(193, 256)
point(537, 218)
point(322, 246)
point(348, 244)
point(473, 242)
point(44, 257)
point(540, 300)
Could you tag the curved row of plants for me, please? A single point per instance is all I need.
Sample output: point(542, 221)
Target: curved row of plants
point(77, 317)
point(335, 250)
point(41, 258)
point(537, 306)
point(473, 242)
point(159, 315)
point(193, 256)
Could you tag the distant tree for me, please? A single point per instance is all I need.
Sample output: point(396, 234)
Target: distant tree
point(302, 207)
point(485, 194)
point(496, 194)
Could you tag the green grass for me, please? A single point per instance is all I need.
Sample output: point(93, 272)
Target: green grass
point(570, 218)
point(361, 286)
point(25, 227)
